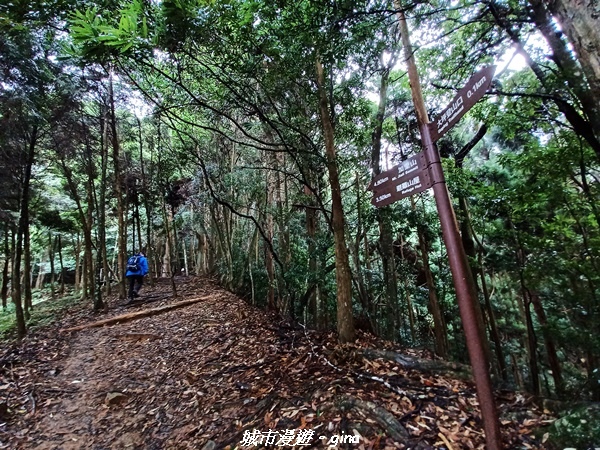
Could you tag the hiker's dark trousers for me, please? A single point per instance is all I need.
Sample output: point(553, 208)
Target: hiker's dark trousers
point(135, 284)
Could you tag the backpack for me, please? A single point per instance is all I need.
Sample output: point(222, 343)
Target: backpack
point(133, 264)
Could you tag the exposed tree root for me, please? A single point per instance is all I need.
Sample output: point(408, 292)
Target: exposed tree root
point(422, 365)
point(382, 416)
point(136, 315)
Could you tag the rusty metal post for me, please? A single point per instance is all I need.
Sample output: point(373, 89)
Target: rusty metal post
point(461, 274)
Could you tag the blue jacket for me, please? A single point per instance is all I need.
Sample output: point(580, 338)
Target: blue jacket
point(143, 262)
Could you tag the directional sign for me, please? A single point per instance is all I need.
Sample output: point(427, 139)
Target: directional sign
point(386, 180)
point(409, 177)
point(464, 100)
point(413, 184)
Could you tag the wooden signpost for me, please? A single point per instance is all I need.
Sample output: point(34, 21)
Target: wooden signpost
point(407, 178)
point(464, 100)
point(466, 293)
point(412, 175)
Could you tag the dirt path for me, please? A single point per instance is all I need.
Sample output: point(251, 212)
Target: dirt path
point(127, 386)
point(216, 371)
point(75, 418)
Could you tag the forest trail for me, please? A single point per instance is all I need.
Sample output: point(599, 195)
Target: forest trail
point(210, 374)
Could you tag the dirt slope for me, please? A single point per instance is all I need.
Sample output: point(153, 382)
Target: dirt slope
point(219, 374)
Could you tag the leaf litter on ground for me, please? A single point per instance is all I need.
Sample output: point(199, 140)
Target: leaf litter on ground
point(211, 373)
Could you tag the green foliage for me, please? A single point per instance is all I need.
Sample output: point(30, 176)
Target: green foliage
point(45, 312)
point(179, 20)
point(102, 36)
point(577, 428)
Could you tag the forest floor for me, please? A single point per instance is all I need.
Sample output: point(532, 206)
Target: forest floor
point(219, 373)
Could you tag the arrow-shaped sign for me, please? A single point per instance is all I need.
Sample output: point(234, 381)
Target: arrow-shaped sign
point(384, 179)
point(402, 188)
point(409, 177)
point(464, 100)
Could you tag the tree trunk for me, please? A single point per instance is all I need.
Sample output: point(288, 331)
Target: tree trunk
point(7, 257)
point(121, 233)
point(175, 264)
point(469, 246)
point(363, 292)
point(409, 306)
point(251, 246)
point(283, 249)
point(169, 250)
point(516, 367)
point(16, 285)
point(526, 309)
point(269, 231)
point(77, 285)
point(386, 239)
point(583, 29)
point(345, 324)
point(137, 192)
point(165, 269)
point(83, 274)
point(62, 267)
point(580, 125)
point(23, 249)
point(220, 225)
point(39, 282)
point(439, 324)
point(468, 240)
point(101, 207)
point(579, 21)
point(27, 269)
point(185, 259)
point(27, 274)
point(312, 300)
point(138, 222)
point(148, 204)
point(549, 343)
point(88, 230)
point(534, 372)
point(86, 218)
point(532, 343)
point(98, 298)
point(492, 321)
point(51, 245)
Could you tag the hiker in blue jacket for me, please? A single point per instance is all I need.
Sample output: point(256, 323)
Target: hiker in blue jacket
point(137, 268)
